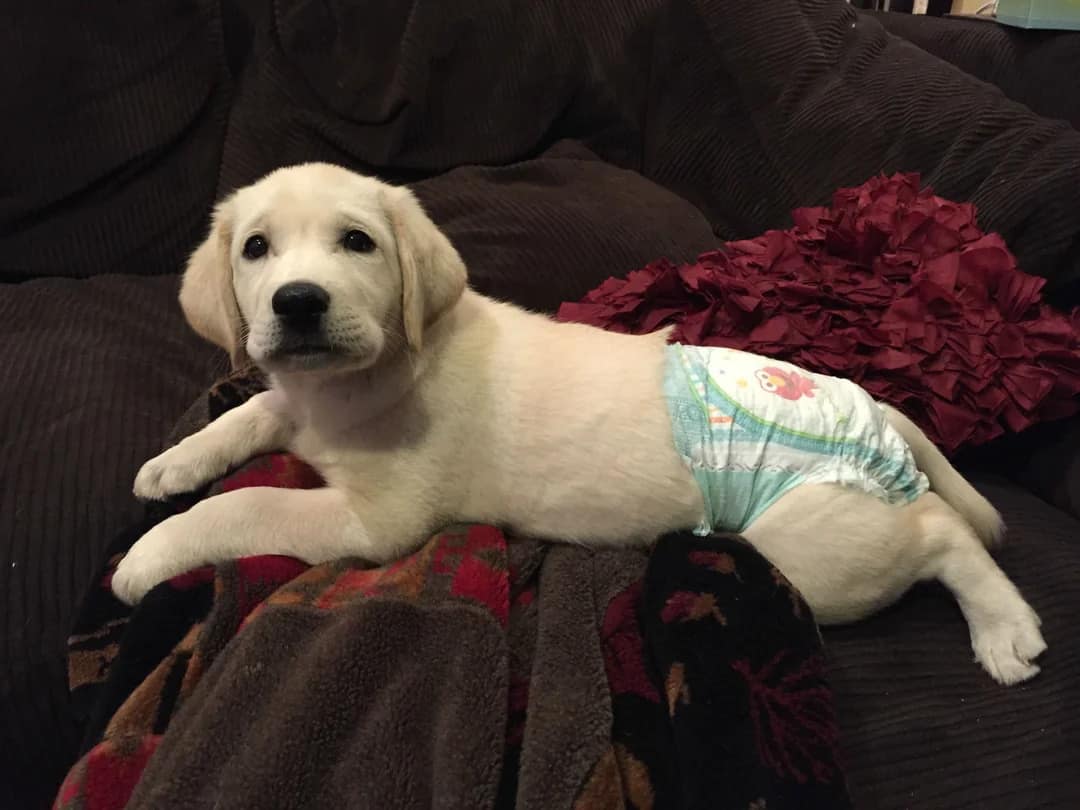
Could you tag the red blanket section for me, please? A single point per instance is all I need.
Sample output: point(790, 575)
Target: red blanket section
point(890, 286)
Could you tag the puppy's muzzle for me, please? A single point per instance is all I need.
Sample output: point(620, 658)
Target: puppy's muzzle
point(300, 308)
point(300, 305)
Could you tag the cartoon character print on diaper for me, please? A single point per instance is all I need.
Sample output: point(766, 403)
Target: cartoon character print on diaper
point(787, 384)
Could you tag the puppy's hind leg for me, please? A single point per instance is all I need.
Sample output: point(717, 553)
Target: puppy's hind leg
point(1004, 629)
point(944, 479)
point(847, 552)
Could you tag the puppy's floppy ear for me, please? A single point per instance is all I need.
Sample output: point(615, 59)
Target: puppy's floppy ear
point(206, 294)
point(432, 273)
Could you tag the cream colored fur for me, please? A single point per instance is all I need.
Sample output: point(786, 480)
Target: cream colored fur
point(438, 404)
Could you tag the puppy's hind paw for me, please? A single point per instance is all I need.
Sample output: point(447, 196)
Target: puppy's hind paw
point(1007, 649)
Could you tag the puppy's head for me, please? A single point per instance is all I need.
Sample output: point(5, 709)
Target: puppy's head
point(317, 268)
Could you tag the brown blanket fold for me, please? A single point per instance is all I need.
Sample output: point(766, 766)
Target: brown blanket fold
point(379, 703)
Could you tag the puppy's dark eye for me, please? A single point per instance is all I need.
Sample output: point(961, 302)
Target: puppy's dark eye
point(255, 247)
point(358, 242)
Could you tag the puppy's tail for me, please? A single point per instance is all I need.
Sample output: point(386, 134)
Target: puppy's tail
point(947, 482)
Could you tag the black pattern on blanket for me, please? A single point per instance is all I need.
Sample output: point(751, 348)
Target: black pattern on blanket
point(474, 673)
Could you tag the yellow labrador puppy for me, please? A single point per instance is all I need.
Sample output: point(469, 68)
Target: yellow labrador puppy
point(421, 403)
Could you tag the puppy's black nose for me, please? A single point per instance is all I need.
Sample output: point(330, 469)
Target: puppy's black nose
point(300, 301)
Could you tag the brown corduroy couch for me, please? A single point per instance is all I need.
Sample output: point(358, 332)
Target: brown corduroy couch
point(557, 142)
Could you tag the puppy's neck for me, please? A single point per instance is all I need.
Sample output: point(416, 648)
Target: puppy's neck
point(350, 398)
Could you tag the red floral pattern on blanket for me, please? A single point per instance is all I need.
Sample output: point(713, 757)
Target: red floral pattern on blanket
point(890, 286)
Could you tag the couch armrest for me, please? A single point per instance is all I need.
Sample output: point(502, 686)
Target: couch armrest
point(1035, 68)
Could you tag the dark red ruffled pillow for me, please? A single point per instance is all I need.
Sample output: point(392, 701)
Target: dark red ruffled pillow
point(890, 286)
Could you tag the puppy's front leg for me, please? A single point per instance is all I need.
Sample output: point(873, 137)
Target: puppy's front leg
point(258, 426)
point(313, 525)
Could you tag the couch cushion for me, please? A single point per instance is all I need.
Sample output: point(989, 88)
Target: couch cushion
point(923, 726)
point(763, 107)
point(113, 122)
point(744, 110)
point(407, 89)
point(546, 230)
point(1036, 68)
point(1045, 460)
point(93, 373)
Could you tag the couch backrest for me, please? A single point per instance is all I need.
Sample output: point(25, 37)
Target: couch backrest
point(129, 119)
point(112, 119)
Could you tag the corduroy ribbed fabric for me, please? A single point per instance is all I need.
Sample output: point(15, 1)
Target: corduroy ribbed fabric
point(93, 372)
point(113, 119)
point(745, 110)
point(1036, 68)
point(921, 726)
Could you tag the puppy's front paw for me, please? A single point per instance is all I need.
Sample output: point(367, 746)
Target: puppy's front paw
point(184, 468)
point(132, 579)
point(153, 559)
point(1008, 648)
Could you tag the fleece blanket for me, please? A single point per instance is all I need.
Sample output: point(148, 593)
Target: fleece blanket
point(477, 673)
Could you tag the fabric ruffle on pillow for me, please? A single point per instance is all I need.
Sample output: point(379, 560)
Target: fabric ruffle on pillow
point(890, 286)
